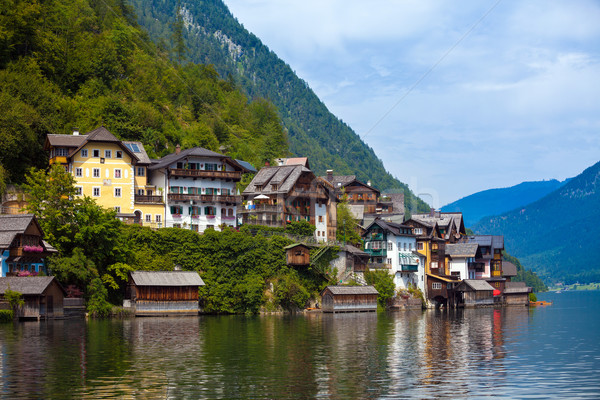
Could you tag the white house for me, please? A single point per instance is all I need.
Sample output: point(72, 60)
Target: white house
point(200, 188)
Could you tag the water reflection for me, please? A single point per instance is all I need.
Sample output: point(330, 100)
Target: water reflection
point(442, 354)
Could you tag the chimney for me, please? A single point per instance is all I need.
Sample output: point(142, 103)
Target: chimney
point(75, 131)
point(330, 175)
point(177, 149)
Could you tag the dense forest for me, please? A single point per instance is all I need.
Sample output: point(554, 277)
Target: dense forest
point(556, 236)
point(86, 63)
point(206, 32)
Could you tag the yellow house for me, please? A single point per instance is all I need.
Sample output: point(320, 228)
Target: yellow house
point(112, 172)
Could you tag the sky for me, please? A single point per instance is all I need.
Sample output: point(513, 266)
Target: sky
point(453, 97)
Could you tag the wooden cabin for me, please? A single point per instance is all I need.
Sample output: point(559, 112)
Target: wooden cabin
point(163, 292)
point(297, 254)
point(516, 294)
point(43, 296)
point(474, 293)
point(349, 299)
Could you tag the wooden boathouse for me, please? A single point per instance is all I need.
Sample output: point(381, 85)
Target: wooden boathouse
point(474, 293)
point(297, 254)
point(163, 292)
point(336, 299)
point(43, 296)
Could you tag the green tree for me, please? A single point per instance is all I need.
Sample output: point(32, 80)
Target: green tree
point(347, 228)
point(384, 283)
point(14, 298)
point(97, 304)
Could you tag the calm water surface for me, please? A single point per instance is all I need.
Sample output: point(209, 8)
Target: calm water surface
point(551, 352)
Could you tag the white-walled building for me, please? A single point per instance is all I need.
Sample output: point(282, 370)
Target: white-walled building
point(199, 187)
point(462, 259)
point(393, 247)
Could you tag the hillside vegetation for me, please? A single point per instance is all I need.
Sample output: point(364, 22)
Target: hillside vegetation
point(498, 201)
point(84, 63)
point(211, 35)
point(556, 236)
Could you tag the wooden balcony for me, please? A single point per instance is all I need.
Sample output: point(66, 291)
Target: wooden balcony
point(496, 273)
point(197, 173)
point(307, 193)
point(58, 160)
point(145, 199)
point(205, 198)
point(261, 208)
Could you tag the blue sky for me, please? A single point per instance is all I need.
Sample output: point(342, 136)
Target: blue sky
point(454, 97)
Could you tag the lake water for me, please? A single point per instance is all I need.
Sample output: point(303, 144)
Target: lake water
point(549, 352)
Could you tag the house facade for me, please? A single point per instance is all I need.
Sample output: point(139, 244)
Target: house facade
point(22, 248)
point(199, 187)
point(112, 172)
point(282, 194)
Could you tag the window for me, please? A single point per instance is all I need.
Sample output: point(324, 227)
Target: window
point(418, 231)
point(96, 153)
point(420, 246)
point(389, 260)
point(148, 217)
point(117, 192)
point(176, 210)
point(79, 172)
point(141, 171)
point(96, 173)
point(436, 285)
point(320, 218)
point(117, 173)
point(62, 152)
point(84, 153)
point(141, 193)
point(78, 191)
point(118, 209)
point(209, 210)
point(107, 153)
point(96, 192)
point(318, 233)
point(158, 220)
point(434, 264)
point(390, 246)
point(119, 154)
point(195, 210)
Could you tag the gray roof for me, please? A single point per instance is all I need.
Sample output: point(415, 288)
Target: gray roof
point(65, 140)
point(516, 287)
point(352, 289)
point(390, 227)
point(141, 155)
point(285, 177)
point(357, 211)
point(354, 250)
point(26, 285)
point(194, 152)
point(166, 278)
point(246, 165)
point(462, 249)
point(13, 224)
point(508, 268)
point(478, 284)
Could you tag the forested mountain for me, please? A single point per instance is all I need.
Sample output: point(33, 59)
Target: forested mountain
point(556, 236)
point(85, 63)
point(213, 36)
point(498, 201)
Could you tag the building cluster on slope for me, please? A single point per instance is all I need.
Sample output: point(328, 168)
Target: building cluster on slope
point(196, 189)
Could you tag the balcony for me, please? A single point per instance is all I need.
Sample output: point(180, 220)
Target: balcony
point(58, 160)
point(205, 198)
point(377, 252)
point(496, 273)
point(377, 236)
point(145, 199)
point(266, 208)
point(373, 265)
point(410, 268)
point(477, 266)
point(306, 193)
point(197, 173)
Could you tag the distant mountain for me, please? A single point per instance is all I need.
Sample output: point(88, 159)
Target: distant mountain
point(557, 236)
point(498, 201)
point(213, 36)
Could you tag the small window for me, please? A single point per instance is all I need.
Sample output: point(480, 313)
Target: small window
point(389, 260)
point(78, 191)
point(96, 153)
point(96, 192)
point(117, 192)
point(96, 173)
point(141, 171)
point(158, 218)
point(436, 285)
point(79, 172)
point(84, 153)
point(418, 231)
point(140, 192)
point(119, 154)
point(320, 218)
point(390, 246)
point(420, 246)
point(117, 173)
point(118, 209)
point(107, 153)
point(148, 217)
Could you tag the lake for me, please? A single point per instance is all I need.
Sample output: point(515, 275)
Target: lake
point(546, 352)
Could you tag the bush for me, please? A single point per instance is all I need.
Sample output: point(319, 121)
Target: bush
point(6, 315)
point(290, 293)
point(97, 305)
point(384, 283)
point(532, 297)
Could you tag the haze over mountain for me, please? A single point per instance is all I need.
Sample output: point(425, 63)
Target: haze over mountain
point(492, 202)
point(213, 36)
point(556, 236)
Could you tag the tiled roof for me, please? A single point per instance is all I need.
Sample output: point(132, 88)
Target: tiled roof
point(193, 152)
point(26, 285)
point(284, 177)
point(65, 140)
point(462, 249)
point(478, 284)
point(516, 287)
point(15, 223)
point(390, 227)
point(352, 289)
point(166, 278)
point(101, 134)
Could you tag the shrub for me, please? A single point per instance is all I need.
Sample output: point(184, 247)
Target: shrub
point(289, 291)
point(384, 283)
point(532, 297)
point(6, 315)
point(97, 304)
